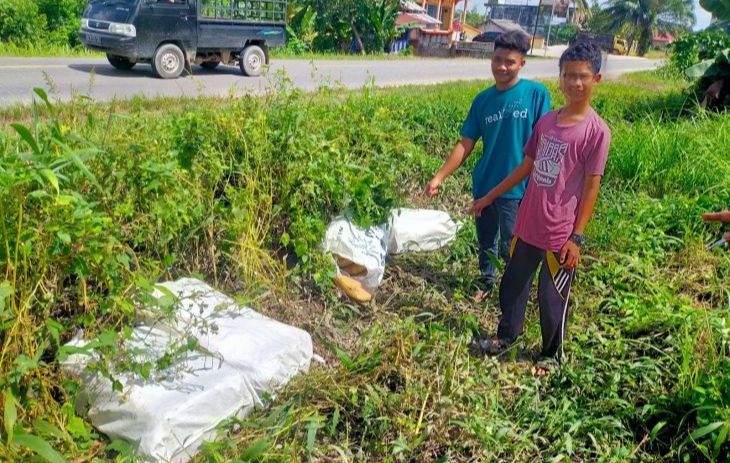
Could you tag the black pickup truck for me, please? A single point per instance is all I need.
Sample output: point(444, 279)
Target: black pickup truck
point(172, 35)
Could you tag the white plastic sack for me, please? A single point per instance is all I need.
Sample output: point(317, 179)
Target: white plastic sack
point(242, 355)
point(365, 247)
point(419, 230)
point(406, 230)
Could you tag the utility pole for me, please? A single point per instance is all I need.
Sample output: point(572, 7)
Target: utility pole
point(534, 31)
point(550, 26)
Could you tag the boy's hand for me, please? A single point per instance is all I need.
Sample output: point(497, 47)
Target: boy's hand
point(478, 205)
point(569, 255)
point(432, 187)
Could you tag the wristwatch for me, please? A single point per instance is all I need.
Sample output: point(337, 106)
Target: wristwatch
point(580, 240)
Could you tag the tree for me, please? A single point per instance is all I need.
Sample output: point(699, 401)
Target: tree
point(720, 9)
point(642, 19)
point(365, 25)
point(474, 17)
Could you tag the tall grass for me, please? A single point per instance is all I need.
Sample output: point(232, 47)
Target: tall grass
point(102, 200)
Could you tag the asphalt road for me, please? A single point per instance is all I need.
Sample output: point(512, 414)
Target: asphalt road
point(96, 78)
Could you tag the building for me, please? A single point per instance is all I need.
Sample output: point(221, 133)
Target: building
point(467, 32)
point(662, 41)
point(535, 15)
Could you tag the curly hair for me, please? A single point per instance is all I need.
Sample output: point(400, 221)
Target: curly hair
point(513, 40)
point(583, 51)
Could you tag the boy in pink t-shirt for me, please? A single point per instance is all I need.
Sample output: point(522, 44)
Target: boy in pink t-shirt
point(565, 159)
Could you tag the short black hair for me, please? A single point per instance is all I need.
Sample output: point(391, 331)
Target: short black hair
point(583, 51)
point(513, 40)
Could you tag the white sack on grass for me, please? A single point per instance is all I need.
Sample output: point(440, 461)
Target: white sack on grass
point(366, 247)
point(412, 230)
point(243, 356)
point(406, 230)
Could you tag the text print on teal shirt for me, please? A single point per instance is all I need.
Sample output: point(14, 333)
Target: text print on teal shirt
point(504, 121)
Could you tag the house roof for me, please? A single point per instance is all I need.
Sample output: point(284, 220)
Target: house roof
point(506, 25)
point(664, 37)
point(408, 6)
point(419, 19)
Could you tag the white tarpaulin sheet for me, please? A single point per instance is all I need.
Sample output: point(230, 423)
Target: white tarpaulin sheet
point(241, 356)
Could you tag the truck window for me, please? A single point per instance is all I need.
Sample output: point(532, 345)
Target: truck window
point(264, 11)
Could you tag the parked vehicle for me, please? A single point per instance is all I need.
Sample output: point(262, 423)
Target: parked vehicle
point(172, 35)
point(607, 42)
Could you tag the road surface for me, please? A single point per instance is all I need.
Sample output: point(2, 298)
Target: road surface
point(95, 77)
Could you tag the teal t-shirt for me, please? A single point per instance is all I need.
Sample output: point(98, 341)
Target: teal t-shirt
point(504, 121)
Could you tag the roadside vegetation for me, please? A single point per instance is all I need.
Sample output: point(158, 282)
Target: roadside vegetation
point(103, 200)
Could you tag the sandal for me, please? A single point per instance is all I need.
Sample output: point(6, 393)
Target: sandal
point(545, 367)
point(489, 346)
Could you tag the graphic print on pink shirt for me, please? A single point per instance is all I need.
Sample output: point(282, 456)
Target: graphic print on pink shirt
point(550, 155)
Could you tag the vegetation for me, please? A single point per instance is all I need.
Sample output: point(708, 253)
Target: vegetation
point(641, 20)
point(102, 200)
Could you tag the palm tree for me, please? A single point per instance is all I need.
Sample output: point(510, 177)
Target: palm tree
point(642, 19)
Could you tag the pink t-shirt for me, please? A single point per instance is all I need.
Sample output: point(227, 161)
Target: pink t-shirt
point(564, 157)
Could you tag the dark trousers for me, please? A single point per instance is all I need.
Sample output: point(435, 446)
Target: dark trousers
point(552, 293)
point(494, 234)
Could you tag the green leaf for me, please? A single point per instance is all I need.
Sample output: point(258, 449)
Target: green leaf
point(255, 450)
point(85, 171)
point(43, 96)
point(312, 429)
point(10, 414)
point(38, 445)
point(705, 430)
point(721, 439)
point(44, 428)
point(76, 427)
point(52, 179)
point(6, 290)
point(657, 427)
point(27, 137)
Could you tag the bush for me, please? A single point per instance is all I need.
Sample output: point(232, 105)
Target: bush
point(690, 49)
point(21, 22)
point(567, 32)
point(62, 17)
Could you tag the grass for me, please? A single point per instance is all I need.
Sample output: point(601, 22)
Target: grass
point(149, 195)
point(45, 51)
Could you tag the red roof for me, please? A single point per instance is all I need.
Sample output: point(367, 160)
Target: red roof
point(665, 37)
point(416, 18)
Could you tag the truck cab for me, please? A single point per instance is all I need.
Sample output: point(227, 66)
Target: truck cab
point(172, 35)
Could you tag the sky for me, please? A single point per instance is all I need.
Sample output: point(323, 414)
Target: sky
point(703, 17)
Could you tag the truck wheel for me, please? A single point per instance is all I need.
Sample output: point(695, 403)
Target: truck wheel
point(252, 61)
point(209, 65)
point(120, 62)
point(168, 62)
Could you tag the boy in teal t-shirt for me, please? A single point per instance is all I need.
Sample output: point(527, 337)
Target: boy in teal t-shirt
point(503, 116)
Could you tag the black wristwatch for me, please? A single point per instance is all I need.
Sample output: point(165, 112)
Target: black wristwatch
point(580, 240)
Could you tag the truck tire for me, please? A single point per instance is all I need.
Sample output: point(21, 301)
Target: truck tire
point(120, 62)
point(169, 61)
point(252, 61)
point(209, 65)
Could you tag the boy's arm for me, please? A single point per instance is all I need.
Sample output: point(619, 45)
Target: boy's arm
point(570, 252)
point(517, 175)
point(458, 155)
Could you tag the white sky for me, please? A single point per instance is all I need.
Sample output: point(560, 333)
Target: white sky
point(703, 17)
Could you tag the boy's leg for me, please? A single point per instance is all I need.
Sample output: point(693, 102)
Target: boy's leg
point(514, 289)
point(507, 209)
point(553, 294)
point(487, 238)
